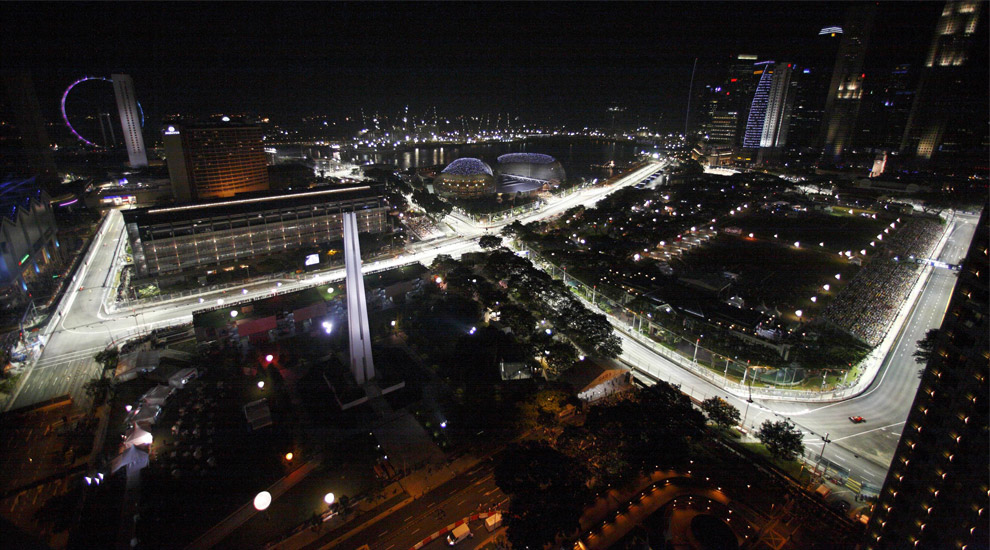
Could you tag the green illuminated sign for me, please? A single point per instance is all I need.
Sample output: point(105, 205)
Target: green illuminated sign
point(24, 259)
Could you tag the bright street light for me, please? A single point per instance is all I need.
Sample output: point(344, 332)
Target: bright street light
point(262, 501)
point(261, 384)
point(329, 498)
point(233, 313)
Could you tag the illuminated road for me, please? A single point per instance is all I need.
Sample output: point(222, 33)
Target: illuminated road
point(84, 325)
point(864, 449)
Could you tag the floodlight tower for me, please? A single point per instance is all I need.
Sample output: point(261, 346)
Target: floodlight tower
point(362, 365)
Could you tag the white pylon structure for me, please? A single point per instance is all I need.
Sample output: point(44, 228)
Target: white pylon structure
point(362, 365)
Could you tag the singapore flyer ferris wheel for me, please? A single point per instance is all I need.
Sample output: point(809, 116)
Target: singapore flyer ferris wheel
point(104, 125)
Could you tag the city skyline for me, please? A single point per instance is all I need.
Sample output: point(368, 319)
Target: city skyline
point(570, 275)
point(300, 59)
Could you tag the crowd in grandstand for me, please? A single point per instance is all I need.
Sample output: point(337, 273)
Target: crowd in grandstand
point(422, 227)
point(868, 306)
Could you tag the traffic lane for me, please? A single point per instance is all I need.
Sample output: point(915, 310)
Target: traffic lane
point(888, 400)
point(458, 498)
point(753, 413)
point(57, 379)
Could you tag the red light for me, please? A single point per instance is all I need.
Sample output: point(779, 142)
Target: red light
point(788, 65)
point(862, 75)
point(733, 79)
point(726, 93)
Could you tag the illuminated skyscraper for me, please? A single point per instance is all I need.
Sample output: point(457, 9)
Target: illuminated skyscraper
point(941, 97)
point(846, 88)
point(130, 119)
point(215, 160)
point(758, 108)
point(936, 492)
point(726, 105)
point(769, 114)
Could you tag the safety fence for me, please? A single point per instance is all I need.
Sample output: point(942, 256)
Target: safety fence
point(691, 355)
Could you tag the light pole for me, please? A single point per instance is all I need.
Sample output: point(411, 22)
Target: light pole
point(825, 442)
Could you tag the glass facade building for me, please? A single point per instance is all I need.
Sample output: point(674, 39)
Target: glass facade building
point(172, 239)
point(936, 492)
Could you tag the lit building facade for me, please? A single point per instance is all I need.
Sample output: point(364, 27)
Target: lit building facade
point(130, 119)
point(172, 239)
point(28, 235)
point(528, 172)
point(214, 161)
point(769, 114)
point(940, 99)
point(727, 107)
point(465, 178)
point(936, 492)
point(845, 90)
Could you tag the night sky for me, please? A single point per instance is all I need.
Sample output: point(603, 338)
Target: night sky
point(566, 60)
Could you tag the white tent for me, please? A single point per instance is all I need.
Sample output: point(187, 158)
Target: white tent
point(146, 414)
point(179, 379)
point(132, 457)
point(157, 395)
point(135, 363)
point(138, 436)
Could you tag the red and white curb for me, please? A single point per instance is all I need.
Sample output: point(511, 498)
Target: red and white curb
point(451, 527)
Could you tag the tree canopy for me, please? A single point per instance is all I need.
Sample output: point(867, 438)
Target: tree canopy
point(490, 241)
point(548, 493)
point(926, 346)
point(781, 438)
point(720, 412)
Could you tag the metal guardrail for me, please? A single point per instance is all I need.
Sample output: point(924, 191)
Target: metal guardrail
point(687, 363)
point(274, 293)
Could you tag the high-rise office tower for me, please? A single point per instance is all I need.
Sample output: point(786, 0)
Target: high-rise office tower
point(25, 147)
point(769, 114)
point(810, 81)
point(936, 492)
point(943, 95)
point(722, 127)
point(886, 107)
point(758, 108)
point(215, 160)
point(779, 103)
point(846, 87)
point(727, 104)
point(130, 120)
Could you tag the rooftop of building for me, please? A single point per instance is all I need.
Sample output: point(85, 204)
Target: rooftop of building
point(468, 166)
point(211, 125)
point(219, 316)
point(530, 158)
point(246, 203)
point(18, 193)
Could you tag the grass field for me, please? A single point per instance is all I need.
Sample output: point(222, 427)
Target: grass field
point(838, 232)
point(774, 274)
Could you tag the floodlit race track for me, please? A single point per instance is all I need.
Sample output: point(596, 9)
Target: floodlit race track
point(86, 322)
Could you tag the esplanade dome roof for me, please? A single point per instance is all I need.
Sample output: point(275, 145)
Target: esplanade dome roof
point(468, 167)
